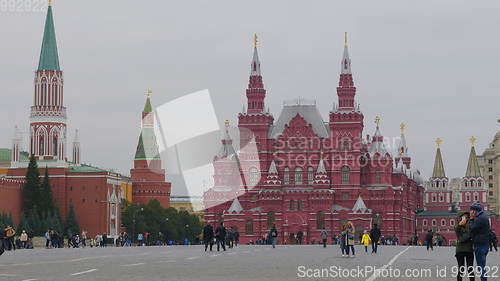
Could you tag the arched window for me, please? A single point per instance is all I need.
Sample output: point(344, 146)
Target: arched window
point(298, 175)
point(249, 227)
point(345, 175)
point(44, 93)
point(452, 222)
point(54, 93)
point(424, 222)
point(377, 177)
point(443, 222)
point(270, 219)
point(41, 145)
point(320, 220)
point(476, 196)
point(253, 176)
point(310, 175)
point(292, 204)
point(299, 205)
point(467, 197)
point(441, 197)
point(54, 145)
point(434, 197)
point(286, 176)
point(433, 222)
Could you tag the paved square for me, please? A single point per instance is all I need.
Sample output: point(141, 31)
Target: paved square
point(241, 263)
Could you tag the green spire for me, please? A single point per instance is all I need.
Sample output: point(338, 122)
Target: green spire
point(147, 147)
point(438, 171)
point(147, 107)
point(49, 60)
point(473, 166)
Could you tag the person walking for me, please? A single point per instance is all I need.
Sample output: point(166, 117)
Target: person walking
point(480, 234)
point(493, 241)
point(350, 239)
point(273, 234)
point(375, 237)
point(300, 234)
point(464, 252)
point(10, 234)
point(366, 240)
point(24, 239)
point(343, 236)
point(84, 238)
point(324, 237)
point(220, 236)
point(140, 237)
point(429, 240)
point(3, 236)
point(47, 239)
point(208, 236)
point(229, 237)
point(236, 237)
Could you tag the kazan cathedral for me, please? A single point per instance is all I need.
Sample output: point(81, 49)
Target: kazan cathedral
point(305, 174)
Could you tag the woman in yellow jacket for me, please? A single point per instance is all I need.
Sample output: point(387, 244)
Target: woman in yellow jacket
point(366, 240)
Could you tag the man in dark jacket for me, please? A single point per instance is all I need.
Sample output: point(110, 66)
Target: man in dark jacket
point(375, 237)
point(208, 236)
point(480, 233)
point(220, 236)
point(273, 234)
point(428, 240)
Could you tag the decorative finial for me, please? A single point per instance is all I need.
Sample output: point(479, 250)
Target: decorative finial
point(402, 127)
point(50, 3)
point(150, 92)
point(438, 142)
point(226, 123)
point(377, 120)
point(255, 40)
point(472, 140)
point(345, 39)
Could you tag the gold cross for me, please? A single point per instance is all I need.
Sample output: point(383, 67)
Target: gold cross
point(472, 140)
point(255, 40)
point(377, 120)
point(402, 127)
point(438, 142)
point(150, 92)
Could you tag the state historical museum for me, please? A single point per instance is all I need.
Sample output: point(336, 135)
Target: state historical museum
point(303, 173)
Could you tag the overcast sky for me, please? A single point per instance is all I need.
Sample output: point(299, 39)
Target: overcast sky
point(431, 64)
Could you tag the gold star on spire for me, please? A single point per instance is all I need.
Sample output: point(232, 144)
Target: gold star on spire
point(472, 140)
point(149, 92)
point(226, 123)
point(345, 39)
point(402, 127)
point(255, 40)
point(50, 3)
point(438, 142)
point(377, 120)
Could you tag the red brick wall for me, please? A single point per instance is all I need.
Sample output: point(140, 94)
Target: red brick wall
point(10, 198)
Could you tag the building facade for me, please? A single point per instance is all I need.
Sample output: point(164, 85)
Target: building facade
point(489, 162)
point(304, 174)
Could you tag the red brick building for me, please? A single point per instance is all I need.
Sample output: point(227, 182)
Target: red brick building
point(148, 178)
point(95, 193)
point(306, 174)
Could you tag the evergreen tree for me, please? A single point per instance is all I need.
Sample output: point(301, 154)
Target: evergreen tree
point(35, 222)
point(71, 225)
point(31, 187)
point(46, 200)
point(24, 225)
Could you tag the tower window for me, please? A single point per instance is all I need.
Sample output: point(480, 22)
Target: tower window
point(377, 177)
point(292, 205)
point(249, 227)
point(286, 176)
point(270, 219)
point(298, 175)
point(254, 176)
point(320, 220)
point(299, 205)
point(345, 175)
point(310, 175)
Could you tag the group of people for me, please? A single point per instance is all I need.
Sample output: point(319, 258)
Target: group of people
point(10, 242)
point(347, 239)
point(221, 236)
point(474, 240)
